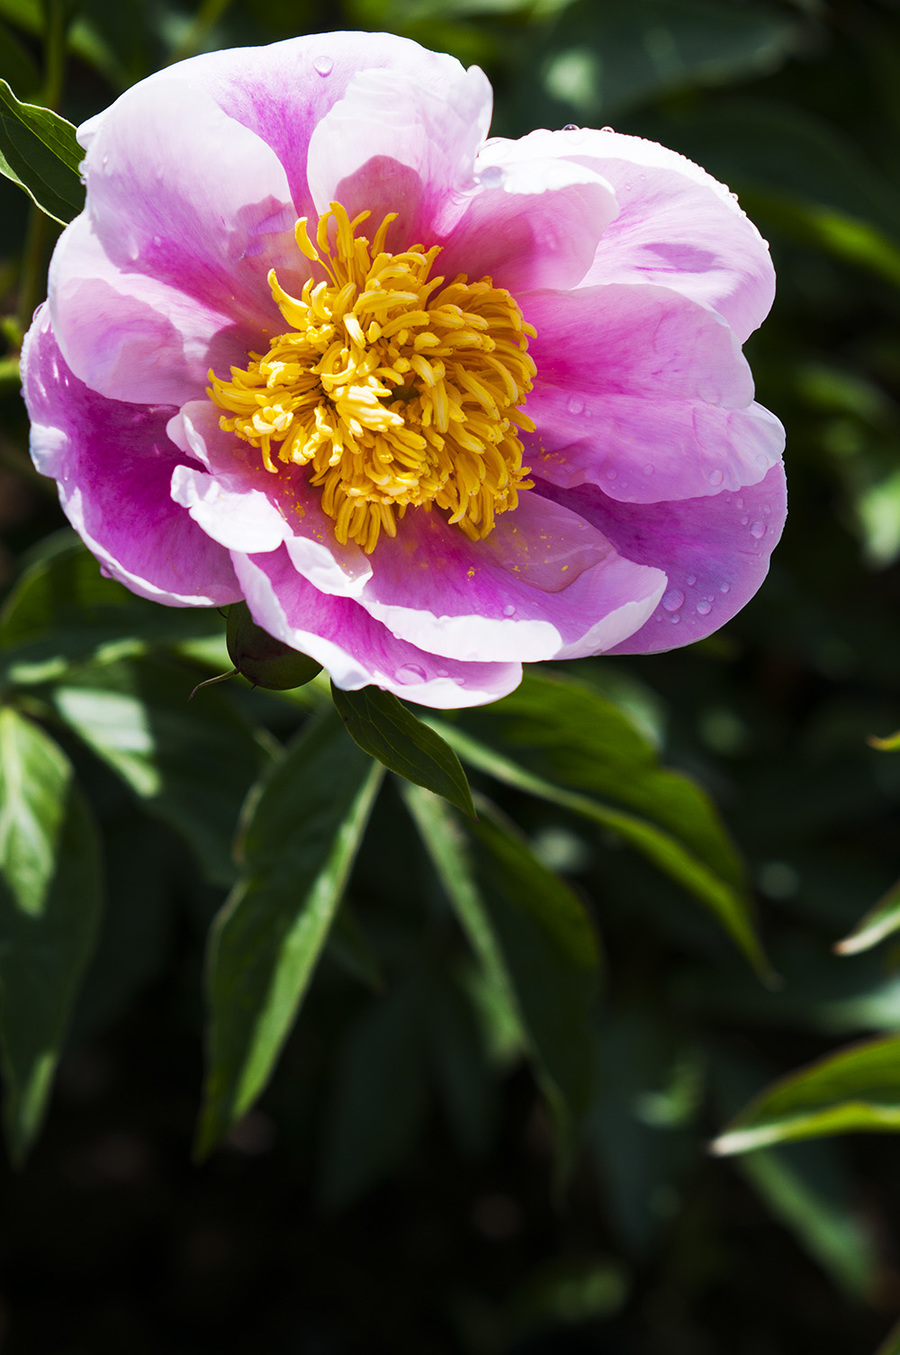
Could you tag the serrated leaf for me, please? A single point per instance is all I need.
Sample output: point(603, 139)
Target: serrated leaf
point(50, 900)
point(881, 921)
point(304, 824)
point(856, 1089)
point(39, 152)
point(534, 941)
point(586, 740)
point(190, 762)
point(385, 729)
point(63, 611)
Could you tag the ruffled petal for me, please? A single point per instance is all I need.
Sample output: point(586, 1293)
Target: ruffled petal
point(354, 648)
point(179, 191)
point(129, 336)
point(642, 451)
point(114, 462)
point(543, 585)
point(396, 144)
point(677, 226)
point(282, 92)
point(715, 552)
point(533, 224)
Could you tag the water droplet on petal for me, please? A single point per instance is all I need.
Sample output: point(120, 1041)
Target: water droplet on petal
point(441, 672)
point(492, 176)
point(715, 477)
point(607, 129)
point(411, 673)
point(612, 475)
point(704, 607)
point(324, 65)
point(745, 519)
point(691, 580)
point(675, 617)
point(672, 600)
point(575, 404)
point(571, 127)
point(758, 529)
point(739, 503)
point(761, 459)
point(724, 587)
point(509, 610)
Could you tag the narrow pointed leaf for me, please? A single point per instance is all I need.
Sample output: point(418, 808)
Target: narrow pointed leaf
point(856, 1089)
point(727, 901)
point(388, 731)
point(879, 922)
point(39, 152)
point(535, 942)
point(304, 824)
point(50, 900)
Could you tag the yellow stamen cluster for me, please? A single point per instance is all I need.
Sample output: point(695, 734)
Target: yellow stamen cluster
point(395, 390)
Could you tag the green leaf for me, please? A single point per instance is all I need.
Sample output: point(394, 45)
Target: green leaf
point(881, 921)
point(50, 900)
point(39, 152)
point(534, 941)
point(571, 733)
point(303, 826)
point(62, 612)
point(385, 729)
point(190, 762)
point(891, 744)
point(857, 1089)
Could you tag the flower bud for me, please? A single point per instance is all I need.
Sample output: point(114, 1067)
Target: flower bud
point(260, 658)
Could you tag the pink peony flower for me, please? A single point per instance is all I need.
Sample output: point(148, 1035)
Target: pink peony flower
point(435, 405)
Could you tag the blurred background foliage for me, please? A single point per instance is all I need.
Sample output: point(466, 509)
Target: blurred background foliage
point(400, 1186)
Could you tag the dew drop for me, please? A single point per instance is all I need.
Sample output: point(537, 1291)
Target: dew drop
point(691, 580)
point(675, 618)
point(571, 127)
point(745, 519)
point(575, 404)
point(673, 600)
point(441, 672)
point(492, 176)
point(411, 673)
point(607, 129)
point(739, 503)
point(715, 477)
point(758, 530)
point(724, 587)
point(509, 610)
point(324, 65)
point(704, 607)
point(612, 475)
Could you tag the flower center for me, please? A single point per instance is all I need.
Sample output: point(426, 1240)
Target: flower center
point(395, 390)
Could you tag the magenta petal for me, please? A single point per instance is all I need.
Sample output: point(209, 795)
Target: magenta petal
point(715, 552)
point(677, 226)
point(355, 649)
point(179, 191)
point(533, 224)
point(394, 143)
point(543, 585)
point(642, 450)
point(113, 462)
point(129, 336)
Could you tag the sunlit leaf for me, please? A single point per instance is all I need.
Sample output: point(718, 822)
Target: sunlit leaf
point(879, 922)
point(39, 152)
point(388, 731)
point(303, 826)
point(50, 899)
point(191, 762)
point(856, 1089)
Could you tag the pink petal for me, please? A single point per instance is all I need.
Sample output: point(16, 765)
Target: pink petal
point(113, 463)
point(395, 143)
point(354, 649)
point(677, 226)
point(130, 336)
point(715, 552)
point(532, 224)
point(181, 192)
point(544, 584)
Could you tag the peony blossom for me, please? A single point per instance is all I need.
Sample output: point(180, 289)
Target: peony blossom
point(434, 404)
